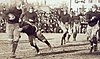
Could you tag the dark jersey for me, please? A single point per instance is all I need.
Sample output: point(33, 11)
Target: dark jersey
point(65, 18)
point(76, 19)
point(28, 29)
point(32, 16)
point(93, 21)
point(14, 11)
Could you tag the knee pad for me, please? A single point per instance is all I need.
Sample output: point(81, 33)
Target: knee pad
point(94, 40)
point(64, 35)
point(15, 42)
point(74, 35)
point(41, 36)
point(32, 44)
point(95, 45)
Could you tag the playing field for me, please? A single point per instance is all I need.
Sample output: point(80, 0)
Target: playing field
point(73, 50)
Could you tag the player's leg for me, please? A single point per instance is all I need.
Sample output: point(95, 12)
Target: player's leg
point(33, 43)
point(63, 38)
point(98, 34)
point(94, 37)
point(9, 30)
point(41, 37)
point(89, 31)
point(14, 47)
point(91, 44)
point(75, 34)
point(95, 43)
point(15, 41)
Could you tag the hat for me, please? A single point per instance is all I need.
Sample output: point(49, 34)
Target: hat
point(31, 7)
point(95, 6)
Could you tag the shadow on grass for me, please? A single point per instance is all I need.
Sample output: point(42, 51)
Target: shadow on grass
point(72, 45)
point(58, 52)
point(87, 53)
point(18, 58)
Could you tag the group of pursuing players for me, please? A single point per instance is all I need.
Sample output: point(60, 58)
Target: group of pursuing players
point(25, 21)
point(93, 27)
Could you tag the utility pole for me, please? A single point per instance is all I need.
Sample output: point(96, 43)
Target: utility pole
point(26, 1)
point(45, 2)
point(70, 6)
point(70, 3)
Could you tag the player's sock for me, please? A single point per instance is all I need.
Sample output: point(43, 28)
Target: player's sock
point(48, 43)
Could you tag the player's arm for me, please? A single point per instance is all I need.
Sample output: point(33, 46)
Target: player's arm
point(36, 18)
point(22, 15)
point(5, 15)
point(69, 19)
point(87, 15)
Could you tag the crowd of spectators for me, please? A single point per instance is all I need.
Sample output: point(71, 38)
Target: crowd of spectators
point(47, 21)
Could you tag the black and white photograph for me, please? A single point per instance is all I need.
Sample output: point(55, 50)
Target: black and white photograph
point(49, 29)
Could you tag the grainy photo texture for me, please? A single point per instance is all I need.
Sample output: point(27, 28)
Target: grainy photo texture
point(49, 29)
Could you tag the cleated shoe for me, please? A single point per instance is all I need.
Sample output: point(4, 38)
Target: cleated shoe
point(13, 56)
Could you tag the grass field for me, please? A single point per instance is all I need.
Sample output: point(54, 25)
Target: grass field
point(73, 50)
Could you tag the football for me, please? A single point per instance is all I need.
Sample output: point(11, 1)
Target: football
point(11, 16)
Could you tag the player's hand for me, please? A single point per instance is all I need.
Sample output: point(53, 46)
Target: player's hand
point(20, 29)
point(93, 17)
point(20, 20)
point(30, 20)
